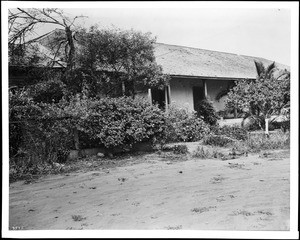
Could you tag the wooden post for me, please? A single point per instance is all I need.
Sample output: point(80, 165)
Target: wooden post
point(205, 88)
point(149, 96)
point(169, 93)
point(166, 99)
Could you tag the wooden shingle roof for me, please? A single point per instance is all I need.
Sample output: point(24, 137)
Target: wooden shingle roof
point(187, 61)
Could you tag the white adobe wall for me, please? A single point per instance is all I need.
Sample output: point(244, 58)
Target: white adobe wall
point(182, 92)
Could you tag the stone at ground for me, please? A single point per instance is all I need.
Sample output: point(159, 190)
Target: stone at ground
point(100, 155)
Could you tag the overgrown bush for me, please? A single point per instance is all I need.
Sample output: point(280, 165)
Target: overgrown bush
point(205, 110)
point(253, 123)
point(185, 126)
point(121, 122)
point(258, 123)
point(48, 91)
point(36, 134)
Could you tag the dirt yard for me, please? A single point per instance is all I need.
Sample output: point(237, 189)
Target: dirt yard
point(160, 191)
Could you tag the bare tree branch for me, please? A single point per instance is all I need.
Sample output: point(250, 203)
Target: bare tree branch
point(22, 23)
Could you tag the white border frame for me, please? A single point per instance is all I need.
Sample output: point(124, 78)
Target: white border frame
point(292, 234)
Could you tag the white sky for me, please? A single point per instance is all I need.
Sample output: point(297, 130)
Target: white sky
point(255, 32)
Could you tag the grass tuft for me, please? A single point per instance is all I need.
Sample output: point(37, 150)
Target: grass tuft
point(77, 218)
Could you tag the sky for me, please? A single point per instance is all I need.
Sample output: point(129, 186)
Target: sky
point(250, 31)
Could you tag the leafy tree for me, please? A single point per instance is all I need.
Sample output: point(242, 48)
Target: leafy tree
point(119, 62)
point(264, 96)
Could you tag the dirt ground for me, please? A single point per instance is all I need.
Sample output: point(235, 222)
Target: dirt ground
point(160, 191)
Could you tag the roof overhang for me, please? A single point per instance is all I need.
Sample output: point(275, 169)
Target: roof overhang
point(209, 78)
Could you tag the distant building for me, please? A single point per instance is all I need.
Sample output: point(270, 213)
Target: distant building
point(195, 73)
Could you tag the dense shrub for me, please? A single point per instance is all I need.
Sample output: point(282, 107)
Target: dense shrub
point(253, 123)
point(234, 132)
point(205, 110)
point(284, 125)
point(121, 122)
point(48, 91)
point(185, 126)
point(40, 135)
point(20, 106)
point(258, 123)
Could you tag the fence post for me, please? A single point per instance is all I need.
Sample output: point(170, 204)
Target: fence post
point(149, 96)
point(267, 127)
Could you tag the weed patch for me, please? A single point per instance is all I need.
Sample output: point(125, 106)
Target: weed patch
point(218, 140)
point(217, 179)
point(201, 153)
point(180, 149)
point(78, 218)
point(174, 228)
point(237, 166)
point(260, 142)
point(242, 212)
point(202, 210)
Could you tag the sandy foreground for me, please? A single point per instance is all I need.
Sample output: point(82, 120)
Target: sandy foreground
point(151, 192)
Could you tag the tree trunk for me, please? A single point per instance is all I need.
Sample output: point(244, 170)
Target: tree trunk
point(71, 53)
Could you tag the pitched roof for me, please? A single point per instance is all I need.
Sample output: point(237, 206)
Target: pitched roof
point(187, 61)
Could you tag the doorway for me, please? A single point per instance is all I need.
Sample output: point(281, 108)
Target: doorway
point(158, 97)
point(198, 95)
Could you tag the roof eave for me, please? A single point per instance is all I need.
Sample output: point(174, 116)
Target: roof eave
point(208, 77)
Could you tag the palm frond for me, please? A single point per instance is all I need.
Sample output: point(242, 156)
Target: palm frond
point(260, 69)
point(285, 74)
point(270, 68)
point(221, 94)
